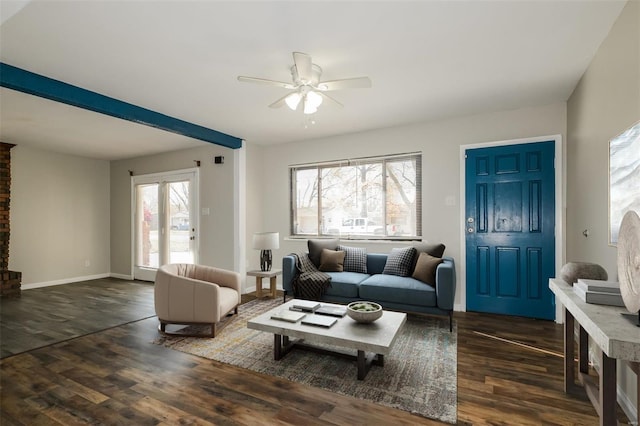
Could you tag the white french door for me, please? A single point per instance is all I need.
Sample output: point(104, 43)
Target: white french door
point(165, 221)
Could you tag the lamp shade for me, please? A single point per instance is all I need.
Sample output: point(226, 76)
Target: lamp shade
point(266, 240)
point(293, 100)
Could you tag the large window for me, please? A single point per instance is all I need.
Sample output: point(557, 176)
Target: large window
point(368, 198)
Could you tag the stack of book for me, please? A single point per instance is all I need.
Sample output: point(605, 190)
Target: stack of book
point(288, 316)
point(599, 292)
point(317, 308)
point(305, 306)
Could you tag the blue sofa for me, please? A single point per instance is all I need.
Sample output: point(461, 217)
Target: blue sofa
point(392, 292)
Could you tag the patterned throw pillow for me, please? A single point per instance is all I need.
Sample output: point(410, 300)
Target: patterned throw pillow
point(400, 261)
point(355, 259)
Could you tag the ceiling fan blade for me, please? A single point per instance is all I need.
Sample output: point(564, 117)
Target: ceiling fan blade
point(345, 83)
point(266, 82)
point(304, 66)
point(330, 99)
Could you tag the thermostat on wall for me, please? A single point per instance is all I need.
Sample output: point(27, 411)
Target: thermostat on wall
point(218, 159)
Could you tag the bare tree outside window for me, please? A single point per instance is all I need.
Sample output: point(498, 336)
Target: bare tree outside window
point(369, 198)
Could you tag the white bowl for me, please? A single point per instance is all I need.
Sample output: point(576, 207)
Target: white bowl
point(362, 315)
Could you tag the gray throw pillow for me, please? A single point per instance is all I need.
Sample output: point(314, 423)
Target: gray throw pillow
point(315, 248)
point(331, 261)
point(425, 269)
point(355, 259)
point(399, 261)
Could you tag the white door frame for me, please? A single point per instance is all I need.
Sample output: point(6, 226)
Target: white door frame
point(560, 238)
point(166, 177)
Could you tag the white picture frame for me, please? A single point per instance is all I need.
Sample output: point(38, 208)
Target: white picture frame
point(624, 178)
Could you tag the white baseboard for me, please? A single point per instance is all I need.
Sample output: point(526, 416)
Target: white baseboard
point(627, 405)
point(121, 276)
point(63, 281)
point(459, 308)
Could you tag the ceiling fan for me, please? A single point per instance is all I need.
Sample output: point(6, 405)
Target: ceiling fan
point(308, 90)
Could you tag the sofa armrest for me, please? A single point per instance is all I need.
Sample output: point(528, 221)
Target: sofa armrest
point(446, 284)
point(289, 272)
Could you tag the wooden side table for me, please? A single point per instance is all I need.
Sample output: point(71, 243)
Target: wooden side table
point(272, 275)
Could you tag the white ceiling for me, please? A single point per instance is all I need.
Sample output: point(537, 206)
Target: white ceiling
point(428, 60)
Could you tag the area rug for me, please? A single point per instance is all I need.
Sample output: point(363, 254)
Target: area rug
point(419, 375)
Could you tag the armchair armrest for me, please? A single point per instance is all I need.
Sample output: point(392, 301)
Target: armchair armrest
point(446, 284)
point(225, 278)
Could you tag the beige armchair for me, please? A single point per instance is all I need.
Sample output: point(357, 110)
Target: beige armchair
point(195, 294)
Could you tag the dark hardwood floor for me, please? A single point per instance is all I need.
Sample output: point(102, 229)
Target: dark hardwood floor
point(40, 317)
point(118, 376)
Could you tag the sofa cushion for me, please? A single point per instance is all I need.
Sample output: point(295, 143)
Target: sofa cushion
point(435, 250)
point(331, 261)
point(345, 284)
point(395, 289)
point(355, 259)
point(425, 269)
point(376, 262)
point(315, 248)
point(400, 262)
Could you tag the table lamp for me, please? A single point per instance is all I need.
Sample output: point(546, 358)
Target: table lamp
point(265, 242)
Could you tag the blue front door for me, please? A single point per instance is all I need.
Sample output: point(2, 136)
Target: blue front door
point(510, 227)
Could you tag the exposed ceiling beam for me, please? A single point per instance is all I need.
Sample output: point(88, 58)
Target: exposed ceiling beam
point(35, 84)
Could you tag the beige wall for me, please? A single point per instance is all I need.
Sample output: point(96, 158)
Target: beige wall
point(439, 143)
point(605, 102)
point(59, 216)
point(217, 192)
point(257, 195)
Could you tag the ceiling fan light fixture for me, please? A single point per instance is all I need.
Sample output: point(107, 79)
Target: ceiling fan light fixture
point(314, 98)
point(293, 100)
point(309, 107)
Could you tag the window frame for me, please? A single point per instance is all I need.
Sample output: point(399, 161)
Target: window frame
point(383, 160)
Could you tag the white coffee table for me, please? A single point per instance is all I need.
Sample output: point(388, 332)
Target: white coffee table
point(376, 338)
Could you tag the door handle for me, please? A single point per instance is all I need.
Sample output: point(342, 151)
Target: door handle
point(470, 230)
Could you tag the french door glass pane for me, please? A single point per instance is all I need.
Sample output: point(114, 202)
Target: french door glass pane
point(180, 228)
point(147, 229)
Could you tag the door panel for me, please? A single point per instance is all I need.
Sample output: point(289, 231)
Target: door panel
point(510, 223)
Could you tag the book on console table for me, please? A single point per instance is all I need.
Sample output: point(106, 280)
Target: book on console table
point(599, 286)
point(289, 316)
point(598, 297)
point(332, 311)
point(305, 306)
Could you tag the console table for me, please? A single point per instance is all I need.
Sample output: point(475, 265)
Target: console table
point(615, 336)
